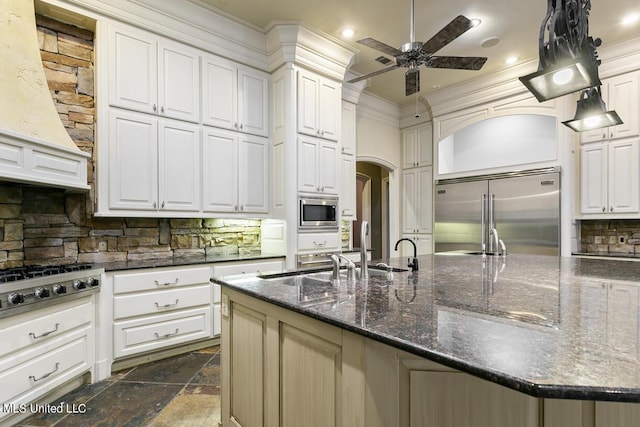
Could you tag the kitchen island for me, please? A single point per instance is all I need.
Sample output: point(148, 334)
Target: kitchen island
point(467, 340)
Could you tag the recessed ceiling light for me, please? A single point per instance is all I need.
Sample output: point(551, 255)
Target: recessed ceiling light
point(475, 22)
point(348, 32)
point(511, 60)
point(631, 19)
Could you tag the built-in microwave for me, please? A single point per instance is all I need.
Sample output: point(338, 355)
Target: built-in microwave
point(318, 213)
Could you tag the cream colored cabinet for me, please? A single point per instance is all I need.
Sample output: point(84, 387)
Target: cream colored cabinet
point(154, 75)
point(318, 164)
point(153, 163)
point(455, 399)
point(283, 368)
point(319, 106)
point(417, 146)
point(235, 174)
point(609, 177)
point(41, 351)
point(349, 123)
point(620, 93)
point(234, 97)
point(158, 308)
point(417, 196)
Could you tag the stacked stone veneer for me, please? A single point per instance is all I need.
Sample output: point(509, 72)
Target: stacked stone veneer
point(613, 236)
point(49, 226)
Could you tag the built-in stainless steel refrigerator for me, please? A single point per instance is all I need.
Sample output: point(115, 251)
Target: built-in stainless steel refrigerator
point(521, 209)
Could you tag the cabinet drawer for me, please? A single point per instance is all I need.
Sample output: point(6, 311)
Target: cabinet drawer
point(316, 241)
point(154, 332)
point(159, 279)
point(18, 332)
point(138, 304)
point(249, 267)
point(45, 370)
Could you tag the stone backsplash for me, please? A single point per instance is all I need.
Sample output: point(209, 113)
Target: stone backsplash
point(612, 236)
point(49, 226)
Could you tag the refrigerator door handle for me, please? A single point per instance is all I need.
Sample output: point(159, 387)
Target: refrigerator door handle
point(483, 210)
point(492, 220)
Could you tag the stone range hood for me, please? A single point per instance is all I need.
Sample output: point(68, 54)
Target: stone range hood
point(35, 148)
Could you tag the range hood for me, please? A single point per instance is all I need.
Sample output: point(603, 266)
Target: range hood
point(35, 148)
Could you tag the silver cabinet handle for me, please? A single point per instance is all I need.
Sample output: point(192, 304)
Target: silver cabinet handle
point(34, 379)
point(320, 244)
point(170, 334)
point(35, 337)
point(162, 109)
point(158, 306)
point(166, 283)
point(611, 209)
point(604, 209)
point(235, 125)
point(154, 205)
point(155, 108)
point(162, 207)
point(241, 126)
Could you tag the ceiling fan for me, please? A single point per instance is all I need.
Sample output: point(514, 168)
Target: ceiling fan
point(413, 54)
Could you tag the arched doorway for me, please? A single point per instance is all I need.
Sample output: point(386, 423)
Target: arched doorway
point(372, 205)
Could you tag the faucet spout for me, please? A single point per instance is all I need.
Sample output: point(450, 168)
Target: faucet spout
point(414, 264)
point(364, 231)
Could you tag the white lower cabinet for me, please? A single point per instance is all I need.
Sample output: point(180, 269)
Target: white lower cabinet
point(42, 350)
point(160, 308)
point(319, 241)
point(423, 242)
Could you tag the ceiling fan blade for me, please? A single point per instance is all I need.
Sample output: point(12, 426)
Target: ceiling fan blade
point(412, 82)
point(382, 47)
point(456, 62)
point(446, 35)
point(375, 73)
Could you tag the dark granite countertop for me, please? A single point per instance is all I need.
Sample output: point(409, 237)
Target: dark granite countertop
point(550, 327)
point(183, 260)
point(621, 255)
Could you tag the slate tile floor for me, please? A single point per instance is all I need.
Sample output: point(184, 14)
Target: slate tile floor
point(179, 391)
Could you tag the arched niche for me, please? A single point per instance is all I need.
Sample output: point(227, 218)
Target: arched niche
point(498, 142)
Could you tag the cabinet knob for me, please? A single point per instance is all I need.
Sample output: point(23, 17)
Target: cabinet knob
point(155, 108)
point(162, 109)
point(154, 205)
point(240, 125)
point(604, 209)
point(241, 207)
point(162, 207)
point(611, 209)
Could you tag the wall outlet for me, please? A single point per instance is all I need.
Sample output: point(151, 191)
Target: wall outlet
point(597, 240)
point(622, 239)
point(102, 245)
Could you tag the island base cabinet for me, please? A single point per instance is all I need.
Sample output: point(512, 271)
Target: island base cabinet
point(454, 399)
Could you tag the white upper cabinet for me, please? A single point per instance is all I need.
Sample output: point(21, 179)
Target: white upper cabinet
point(417, 146)
point(348, 128)
point(317, 166)
point(150, 74)
point(417, 193)
point(153, 163)
point(621, 94)
point(319, 106)
point(234, 97)
point(235, 170)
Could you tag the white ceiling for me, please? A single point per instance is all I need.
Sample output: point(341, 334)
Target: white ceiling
point(515, 22)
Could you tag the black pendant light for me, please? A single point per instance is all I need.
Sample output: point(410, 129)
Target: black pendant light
point(591, 112)
point(568, 61)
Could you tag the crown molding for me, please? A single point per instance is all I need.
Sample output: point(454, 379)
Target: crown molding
point(291, 41)
point(378, 109)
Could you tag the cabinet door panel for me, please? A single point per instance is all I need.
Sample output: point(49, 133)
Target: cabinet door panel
point(133, 162)
point(623, 176)
point(348, 128)
point(133, 70)
point(409, 207)
point(623, 97)
point(308, 164)
point(307, 103)
point(424, 146)
point(424, 198)
point(220, 163)
point(409, 143)
point(179, 160)
point(348, 187)
point(253, 177)
point(310, 379)
point(179, 71)
point(253, 102)
point(328, 168)
point(593, 187)
point(248, 334)
point(219, 95)
point(330, 105)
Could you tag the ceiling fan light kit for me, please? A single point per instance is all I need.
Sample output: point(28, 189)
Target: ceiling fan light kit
point(413, 54)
